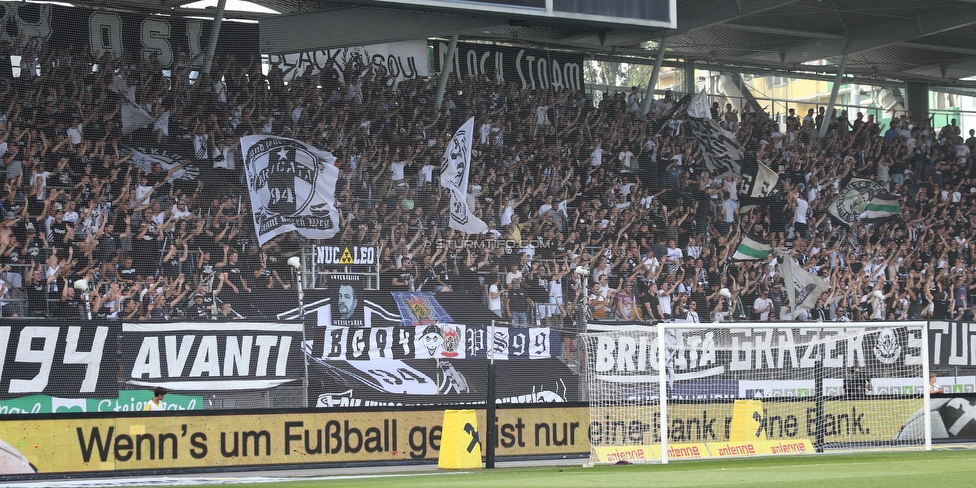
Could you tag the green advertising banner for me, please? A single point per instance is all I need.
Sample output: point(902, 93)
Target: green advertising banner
point(127, 401)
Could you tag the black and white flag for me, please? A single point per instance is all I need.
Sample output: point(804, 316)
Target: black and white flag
point(720, 149)
point(757, 183)
point(699, 107)
point(292, 187)
point(802, 286)
point(133, 116)
point(454, 177)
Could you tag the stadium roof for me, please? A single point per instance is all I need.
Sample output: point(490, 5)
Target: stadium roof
point(885, 41)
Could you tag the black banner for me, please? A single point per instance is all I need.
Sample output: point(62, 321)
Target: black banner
point(434, 341)
point(952, 344)
point(437, 382)
point(65, 359)
point(33, 25)
point(227, 356)
point(527, 68)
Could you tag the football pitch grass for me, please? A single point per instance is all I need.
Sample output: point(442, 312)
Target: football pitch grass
point(943, 468)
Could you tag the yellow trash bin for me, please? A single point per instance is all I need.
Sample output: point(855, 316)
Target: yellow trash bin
point(460, 442)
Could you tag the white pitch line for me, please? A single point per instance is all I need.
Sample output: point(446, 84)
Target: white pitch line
point(167, 481)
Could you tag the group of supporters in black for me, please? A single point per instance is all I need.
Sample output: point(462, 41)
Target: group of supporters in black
point(158, 221)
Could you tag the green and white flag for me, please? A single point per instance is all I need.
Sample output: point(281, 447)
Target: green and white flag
point(751, 248)
point(882, 207)
point(853, 200)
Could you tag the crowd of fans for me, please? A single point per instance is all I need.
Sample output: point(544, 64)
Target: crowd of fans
point(561, 183)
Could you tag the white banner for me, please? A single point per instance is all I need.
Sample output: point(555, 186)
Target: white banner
point(292, 187)
point(454, 177)
point(133, 116)
point(802, 286)
point(699, 106)
point(401, 60)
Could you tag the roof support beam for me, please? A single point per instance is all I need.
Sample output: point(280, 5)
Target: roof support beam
point(723, 11)
point(782, 32)
point(834, 90)
point(304, 32)
point(940, 48)
point(877, 36)
point(655, 73)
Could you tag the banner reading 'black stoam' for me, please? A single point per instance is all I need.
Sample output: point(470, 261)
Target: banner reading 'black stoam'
point(527, 68)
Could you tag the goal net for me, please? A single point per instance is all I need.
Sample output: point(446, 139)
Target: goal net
point(681, 391)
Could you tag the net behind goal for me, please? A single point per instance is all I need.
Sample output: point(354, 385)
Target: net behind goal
point(680, 391)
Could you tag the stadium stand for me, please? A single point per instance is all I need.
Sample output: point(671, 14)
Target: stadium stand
point(562, 183)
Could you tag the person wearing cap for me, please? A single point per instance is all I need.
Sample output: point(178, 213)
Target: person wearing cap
point(198, 309)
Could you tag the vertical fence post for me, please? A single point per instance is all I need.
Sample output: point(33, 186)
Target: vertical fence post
point(490, 407)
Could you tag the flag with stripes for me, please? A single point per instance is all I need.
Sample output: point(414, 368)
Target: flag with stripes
point(853, 200)
point(882, 207)
point(720, 149)
point(751, 248)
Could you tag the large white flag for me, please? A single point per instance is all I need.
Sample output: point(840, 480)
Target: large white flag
point(802, 286)
point(292, 187)
point(132, 115)
point(454, 177)
point(699, 106)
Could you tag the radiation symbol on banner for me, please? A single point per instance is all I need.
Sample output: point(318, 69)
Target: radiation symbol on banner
point(346, 257)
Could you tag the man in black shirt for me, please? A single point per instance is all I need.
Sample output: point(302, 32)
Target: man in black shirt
point(519, 303)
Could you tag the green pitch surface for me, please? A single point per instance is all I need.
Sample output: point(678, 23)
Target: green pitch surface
point(942, 468)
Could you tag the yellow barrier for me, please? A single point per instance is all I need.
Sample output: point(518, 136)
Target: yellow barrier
point(747, 422)
point(460, 442)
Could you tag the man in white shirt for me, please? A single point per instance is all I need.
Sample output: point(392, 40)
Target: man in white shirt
point(596, 157)
point(800, 215)
point(626, 158)
point(674, 252)
point(693, 312)
point(74, 132)
point(763, 306)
